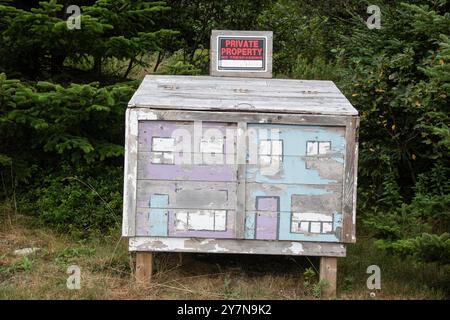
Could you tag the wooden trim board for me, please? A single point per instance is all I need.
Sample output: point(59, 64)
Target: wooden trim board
point(349, 182)
point(163, 244)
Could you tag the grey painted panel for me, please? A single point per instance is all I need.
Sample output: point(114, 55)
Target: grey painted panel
point(324, 203)
point(189, 194)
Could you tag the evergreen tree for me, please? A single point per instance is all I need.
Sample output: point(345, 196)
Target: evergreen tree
point(37, 43)
point(398, 78)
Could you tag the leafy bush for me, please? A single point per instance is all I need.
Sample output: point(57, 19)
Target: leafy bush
point(398, 78)
point(79, 204)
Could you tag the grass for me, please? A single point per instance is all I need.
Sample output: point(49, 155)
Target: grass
point(107, 271)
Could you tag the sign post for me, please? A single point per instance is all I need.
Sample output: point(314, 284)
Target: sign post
point(241, 53)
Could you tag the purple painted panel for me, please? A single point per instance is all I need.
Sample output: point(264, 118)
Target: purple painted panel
point(229, 233)
point(143, 228)
point(164, 129)
point(267, 204)
point(194, 172)
point(267, 218)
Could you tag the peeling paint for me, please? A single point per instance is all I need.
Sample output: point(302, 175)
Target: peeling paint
point(236, 246)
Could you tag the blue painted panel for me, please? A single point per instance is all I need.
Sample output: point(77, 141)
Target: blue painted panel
point(294, 178)
point(158, 218)
point(250, 226)
point(293, 167)
point(285, 214)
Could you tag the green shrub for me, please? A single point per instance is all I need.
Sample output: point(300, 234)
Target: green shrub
point(78, 203)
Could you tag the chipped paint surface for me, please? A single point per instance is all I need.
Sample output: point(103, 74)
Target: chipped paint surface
point(158, 217)
point(202, 224)
point(267, 218)
point(162, 131)
point(311, 169)
point(236, 246)
point(300, 202)
point(296, 248)
point(294, 167)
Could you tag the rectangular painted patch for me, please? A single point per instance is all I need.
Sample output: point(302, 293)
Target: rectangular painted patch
point(310, 216)
point(189, 194)
point(187, 151)
point(159, 216)
point(201, 220)
point(163, 144)
point(315, 227)
point(211, 146)
point(250, 220)
point(267, 218)
point(182, 225)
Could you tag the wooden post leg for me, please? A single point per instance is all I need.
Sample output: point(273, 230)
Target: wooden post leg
point(328, 276)
point(144, 267)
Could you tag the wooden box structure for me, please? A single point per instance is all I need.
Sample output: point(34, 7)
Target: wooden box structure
point(240, 165)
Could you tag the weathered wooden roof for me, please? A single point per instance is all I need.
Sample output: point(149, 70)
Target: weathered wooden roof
point(241, 94)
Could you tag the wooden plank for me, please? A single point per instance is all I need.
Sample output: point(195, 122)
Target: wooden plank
point(130, 173)
point(188, 194)
point(335, 106)
point(147, 170)
point(247, 90)
point(170, 82)
point(241, 178)
point(350, 183)
point(144, 267)
point(220, 116)
point(328, 276)
point(268, 95)
point(176, 132)
point(162, 244)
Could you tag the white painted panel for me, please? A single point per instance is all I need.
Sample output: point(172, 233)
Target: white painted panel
point(220, 223)
point(241, 63)
point(264, 161)
point(201, 220)
point(311, 148)
point(163, 144)
point(311, 216)
point(304, 226)
point(270, 165)
point(315, 227)
point(215, 158)
point(264, 147)
point(211, 146)
point(327, 227)
point(169, 158)
point(295, 226)
point(277, 147)
point(181, 221)
point(324, 147)
point(157, 157)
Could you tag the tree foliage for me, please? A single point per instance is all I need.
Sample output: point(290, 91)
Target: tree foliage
point(398, 78)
